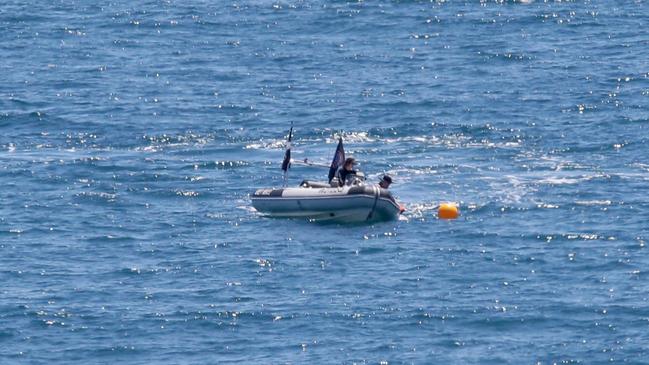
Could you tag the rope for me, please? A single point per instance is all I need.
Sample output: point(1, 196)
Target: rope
point(376, 199)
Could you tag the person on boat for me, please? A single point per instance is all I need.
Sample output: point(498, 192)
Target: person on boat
point(385, 182)
point(345, 170)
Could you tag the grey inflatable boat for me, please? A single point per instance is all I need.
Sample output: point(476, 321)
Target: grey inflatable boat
point(353, 202)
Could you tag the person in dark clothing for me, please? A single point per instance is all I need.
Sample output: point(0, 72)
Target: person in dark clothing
point(346, 169)
point(385, 181)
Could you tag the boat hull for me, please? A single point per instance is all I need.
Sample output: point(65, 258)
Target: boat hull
point(347, 204)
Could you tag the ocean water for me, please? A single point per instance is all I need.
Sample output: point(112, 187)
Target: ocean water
point(132, 134)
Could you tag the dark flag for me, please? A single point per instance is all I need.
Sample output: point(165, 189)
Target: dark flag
point(339, 158)
point(287, 156)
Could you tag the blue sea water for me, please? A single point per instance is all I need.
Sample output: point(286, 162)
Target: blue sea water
point(132, 134)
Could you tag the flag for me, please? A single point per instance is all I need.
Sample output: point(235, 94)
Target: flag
point(339, 158)
point(287, 156)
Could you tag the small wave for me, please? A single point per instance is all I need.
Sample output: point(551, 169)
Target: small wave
point(641, 166)
point(109, 238)
point(424, 35)
point(219, 165)
point(273, 144)
point(136, 270)
point(506, 56)
point(583, 236)
point(420, 209)
point(97, 196)
point(89, 160)
point(187, 194)
point(569, 180)
point(593, 202)
point(219, 215)
point(547, 206)
point(247, 208)
point(157, 142)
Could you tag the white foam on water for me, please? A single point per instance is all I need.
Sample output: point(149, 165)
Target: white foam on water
point(262, 145)
point(569, 180)
point(593, 202)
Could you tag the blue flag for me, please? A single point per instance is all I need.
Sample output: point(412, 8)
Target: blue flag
point(339, 158)
point(287, 156)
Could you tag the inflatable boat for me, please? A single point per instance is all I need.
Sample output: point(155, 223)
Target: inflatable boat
point(353, 202)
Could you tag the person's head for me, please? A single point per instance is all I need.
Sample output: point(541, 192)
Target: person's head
point(385, 182)
point(349, 164)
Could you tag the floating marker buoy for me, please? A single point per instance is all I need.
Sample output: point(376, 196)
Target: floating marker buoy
point(448, 211)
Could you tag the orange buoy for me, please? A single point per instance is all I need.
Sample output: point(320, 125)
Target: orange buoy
point(448, 211)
